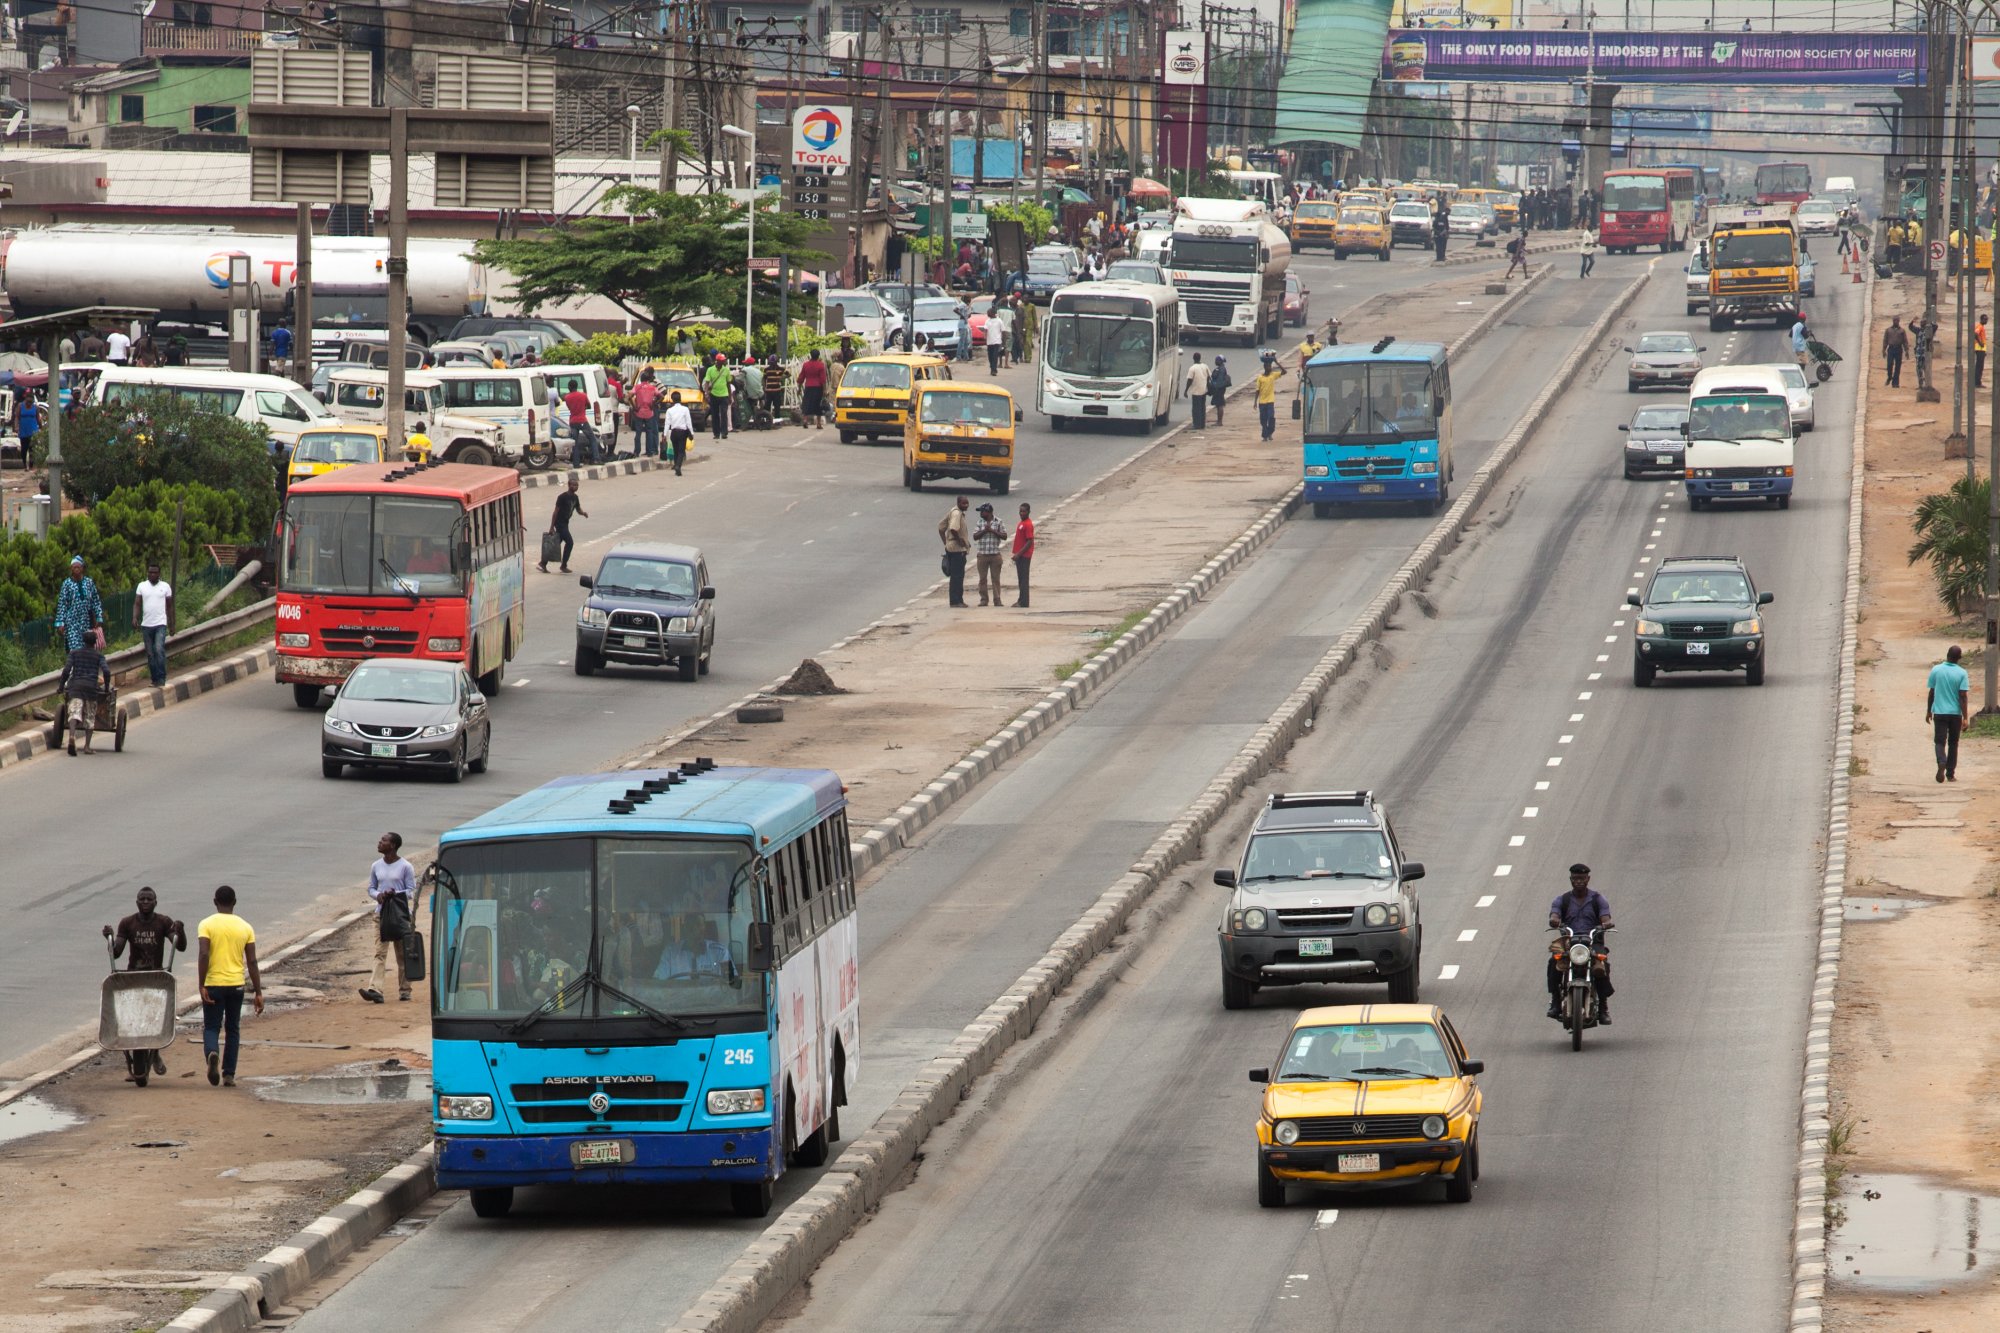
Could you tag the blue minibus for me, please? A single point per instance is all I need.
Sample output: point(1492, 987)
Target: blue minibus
point(1378, 426)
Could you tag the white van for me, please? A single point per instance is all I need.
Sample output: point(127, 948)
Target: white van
point(596, 385)
point(1841, 190)
point(1783, 378)
point(515, 401)
point(276, 403)
point(361, 395)
point(1740, 440)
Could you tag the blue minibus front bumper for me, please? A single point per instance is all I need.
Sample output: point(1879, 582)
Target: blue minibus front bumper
point(481, 1161)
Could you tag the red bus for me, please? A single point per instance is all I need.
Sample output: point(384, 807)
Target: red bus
point(399, 560)
point(1646, 206)
point(1784, 183)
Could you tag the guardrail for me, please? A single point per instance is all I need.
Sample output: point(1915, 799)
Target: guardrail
point(38, 688)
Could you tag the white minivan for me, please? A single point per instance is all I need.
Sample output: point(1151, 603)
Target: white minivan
point(276, 403)
point(596, 386)
point(361, 395)
point(1783, 378)
point(515, 401)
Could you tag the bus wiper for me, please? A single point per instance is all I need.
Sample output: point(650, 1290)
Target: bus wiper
point(667, 1021)
point(408, 590)
point(555, 1001)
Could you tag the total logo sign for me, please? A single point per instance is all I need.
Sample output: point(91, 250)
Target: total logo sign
point(820, 137)
point(278, 272)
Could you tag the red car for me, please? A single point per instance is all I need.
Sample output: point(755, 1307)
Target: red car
point(1297, 298)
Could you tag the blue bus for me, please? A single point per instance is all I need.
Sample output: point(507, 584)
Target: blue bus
point(648, 976)
point(1378, 426)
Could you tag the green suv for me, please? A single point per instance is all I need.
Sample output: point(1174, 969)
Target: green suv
point(1700, 613)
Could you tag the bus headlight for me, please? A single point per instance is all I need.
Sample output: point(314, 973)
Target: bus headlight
point(1423, 469)
point(594, 617)
point(1052, 386)
point(1316, 469)
point(444, 645)
point(464, 1108)
point(295, 640)
point(736, 1101)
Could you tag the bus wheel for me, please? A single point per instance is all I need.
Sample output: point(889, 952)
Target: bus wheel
point(306, 696)
point(1057, 423)
point(999, 485)
point(813, 1152)
point(489, 684)
point(476, 455)
point(1322, 510)
point(492, 1202)
point(752, 1199)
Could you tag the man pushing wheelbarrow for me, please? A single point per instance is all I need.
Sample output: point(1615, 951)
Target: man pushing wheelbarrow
point(137, 1016)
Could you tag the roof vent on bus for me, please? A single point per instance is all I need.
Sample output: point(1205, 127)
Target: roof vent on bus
point(1382, 346)
point(618, 807)
point(702, 764)
point(657, 785)
point(638, 795)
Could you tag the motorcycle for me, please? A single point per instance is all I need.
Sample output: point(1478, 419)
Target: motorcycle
point(1579, 957)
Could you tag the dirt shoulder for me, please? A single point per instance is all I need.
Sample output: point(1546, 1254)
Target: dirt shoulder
point(1915, 1070)
point(106, 1234)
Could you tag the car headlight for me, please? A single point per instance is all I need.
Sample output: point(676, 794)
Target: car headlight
point(594, 617)
point(1701, 472)
point(340, 725)
point(846, 400)
point(1777, 472)
point(1651, 628)
point(1423, 469)
point(444, 645)
point(736, 1101)
point(452, 1107)
point(294, 640)
point(437, 729)
point(1254, 918)
point(1316, 469)
point(1286, 1132)
point(1750, 626)
point(1434, 1127)
point(678, 625)
point(1382, 914)
point(1579, 952)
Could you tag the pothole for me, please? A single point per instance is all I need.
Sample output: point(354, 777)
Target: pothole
point(350, 1085)
point(1902, 1233)
point(25, 1117)
point(1880, 909)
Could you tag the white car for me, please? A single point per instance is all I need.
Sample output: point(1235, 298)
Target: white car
point(1476, 220)
point(1798, 395)
point(1818, 217)
point(1697, 279)
point(867, 316)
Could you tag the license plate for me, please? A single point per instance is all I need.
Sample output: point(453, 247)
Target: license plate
point(635, 641)
point(1663, 460)
point(1315, 948)
point(378, 750)
point(1739, 485)
point(1371, 488)
point(1697, 650)
point(1359, 1161)
point(597, 1152)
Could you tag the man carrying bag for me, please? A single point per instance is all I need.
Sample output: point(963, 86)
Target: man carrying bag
point(392, 885)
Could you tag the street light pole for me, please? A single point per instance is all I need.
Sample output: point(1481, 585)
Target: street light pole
point(750, 258)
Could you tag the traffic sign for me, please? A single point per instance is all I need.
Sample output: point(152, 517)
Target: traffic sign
point(1937, 252)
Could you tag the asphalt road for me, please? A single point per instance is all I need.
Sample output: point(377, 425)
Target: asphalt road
point(1643, 1184)
point(950, 923)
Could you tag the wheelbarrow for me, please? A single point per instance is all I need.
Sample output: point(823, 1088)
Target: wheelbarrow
point(136, 1014)
point(106, 717)
point(1824, 356)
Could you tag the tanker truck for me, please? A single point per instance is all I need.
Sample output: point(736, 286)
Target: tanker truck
point(1228, 263)
point(183, 272)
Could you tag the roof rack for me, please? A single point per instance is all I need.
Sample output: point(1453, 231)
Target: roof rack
point(1286, 800)
point(1676, 559)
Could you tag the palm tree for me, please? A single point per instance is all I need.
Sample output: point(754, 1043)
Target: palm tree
point(1951, 534)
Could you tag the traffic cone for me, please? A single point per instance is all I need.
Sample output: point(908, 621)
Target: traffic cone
point(1856, 271)
point(1843, 262)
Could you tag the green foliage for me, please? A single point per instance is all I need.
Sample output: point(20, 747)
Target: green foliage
point(1951, 535)
point(1035, 219)
point(928, 245)
point(612, 350)
point(676, 257)
point(168, 439)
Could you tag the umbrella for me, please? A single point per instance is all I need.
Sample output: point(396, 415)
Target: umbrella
point(1143, 186)
point(21, 361)
point(1072, 195)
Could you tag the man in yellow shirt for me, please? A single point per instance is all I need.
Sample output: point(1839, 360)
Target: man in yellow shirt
point(1267, 394)
point(227, 961)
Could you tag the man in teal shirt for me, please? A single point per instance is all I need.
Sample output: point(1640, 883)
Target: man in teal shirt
point(1948, 691)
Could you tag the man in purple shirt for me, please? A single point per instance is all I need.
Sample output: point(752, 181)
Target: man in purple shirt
point(1583, 909)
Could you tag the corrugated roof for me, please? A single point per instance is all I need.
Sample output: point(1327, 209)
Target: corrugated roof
point(1330, 71)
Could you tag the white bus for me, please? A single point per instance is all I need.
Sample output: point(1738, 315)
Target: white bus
point(1110, 352)
point(1266, 187)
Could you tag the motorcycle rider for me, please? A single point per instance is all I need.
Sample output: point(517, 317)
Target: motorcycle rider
point(1582, 909)
point(147, 931)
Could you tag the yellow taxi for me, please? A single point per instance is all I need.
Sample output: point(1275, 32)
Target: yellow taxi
point(962, 428)
point(1506, 206)
point(1366, 196)
point(1368, 1096)
point(1361, 229)
point(876, 393)
point(331, 448)
point(1312, 222)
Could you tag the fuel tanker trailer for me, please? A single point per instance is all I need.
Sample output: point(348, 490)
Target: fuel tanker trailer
point(183, 272)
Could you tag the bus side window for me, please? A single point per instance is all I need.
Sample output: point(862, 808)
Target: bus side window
point(781, 894)
point(809, 875)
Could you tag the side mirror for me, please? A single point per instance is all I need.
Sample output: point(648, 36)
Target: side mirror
point(1701, 347)
point(1472, 1067)
point(1765, 598)
point(708, 594)
point(757, 941)
point(1260, 1075)
point(1624, 428)
point(1628, 349)
point(1413, 870)
point(476, 699)
point(1018, 416)
point(585, 581)
point(1226, 878)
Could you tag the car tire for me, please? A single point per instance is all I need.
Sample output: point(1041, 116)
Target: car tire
point(587, 660)
point(1692, 307)
point(485, 753)
point(489, 684)
point(1643, 673)
point(331, 768)
point(1236, 992)
point(492, 1202)
point(1340, 255)
point(688, 666)
point(1383, 255)
point(1717, 323)
point(1270, 1189)
point(847, 437)
point(1754, 673)
point(1459, 1188)
point(306, 696)
point(1403, 985)
point(1630, 387)
point(1697, 502)
point(473, 455)
point(707, 656)
point(1784, 502)
point(456, 773)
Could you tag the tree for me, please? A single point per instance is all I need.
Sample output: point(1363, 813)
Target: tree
point(678, 256)
point(1951, 534)
point(166, 438)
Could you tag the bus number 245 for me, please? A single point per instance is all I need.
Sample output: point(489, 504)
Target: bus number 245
point(739, 1057)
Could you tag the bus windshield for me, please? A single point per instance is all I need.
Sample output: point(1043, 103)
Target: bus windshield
point(1759, 417)
point(1634, 194)
point(597, 928)
point(1223, 254)
point(1784, 178)
point(337, 447)
point(1757, 249)
point(876, 375)
point(946, 407)
point(1101, 345)
point(371, 545)
point(1370, 399)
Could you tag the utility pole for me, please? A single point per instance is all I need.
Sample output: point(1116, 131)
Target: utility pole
point(857, 173)
point(1038, 113)
point(979, 117)
point(302, 301)
point(398, 270)
point(670, 107)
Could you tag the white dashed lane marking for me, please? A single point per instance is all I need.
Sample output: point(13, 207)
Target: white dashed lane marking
point(1517, 840)
point(1448, 971)
point(1485, 901)
point(1467, 936)
point(1501, 872)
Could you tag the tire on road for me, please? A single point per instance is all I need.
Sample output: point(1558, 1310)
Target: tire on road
point(1236, 992)
point(1270, 1189)
point(1459, 1188)
point(493, 1201)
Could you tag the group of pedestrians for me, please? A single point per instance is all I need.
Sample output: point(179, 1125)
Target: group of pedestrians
point(225, 971)
point(1208, 384)
point(1918, 336)
point(987, 539)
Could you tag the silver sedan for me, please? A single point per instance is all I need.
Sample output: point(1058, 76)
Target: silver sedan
point(408, 714)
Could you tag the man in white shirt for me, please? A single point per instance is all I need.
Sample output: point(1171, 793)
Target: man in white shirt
point(996, 341)
point(680, 429)
point(391, 877)
point(1197, 391)
point(117, 347)
point(153, 614)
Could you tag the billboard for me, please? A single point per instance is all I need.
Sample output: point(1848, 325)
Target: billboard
point(821, 138)
point(1852, 59)
point(1186, 59)
point(1455, 13)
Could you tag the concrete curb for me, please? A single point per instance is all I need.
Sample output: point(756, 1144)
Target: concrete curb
point(623, 467)
point(136, 703)
point(1815, 1111)
point(250, 1297)
point(793, 1245)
